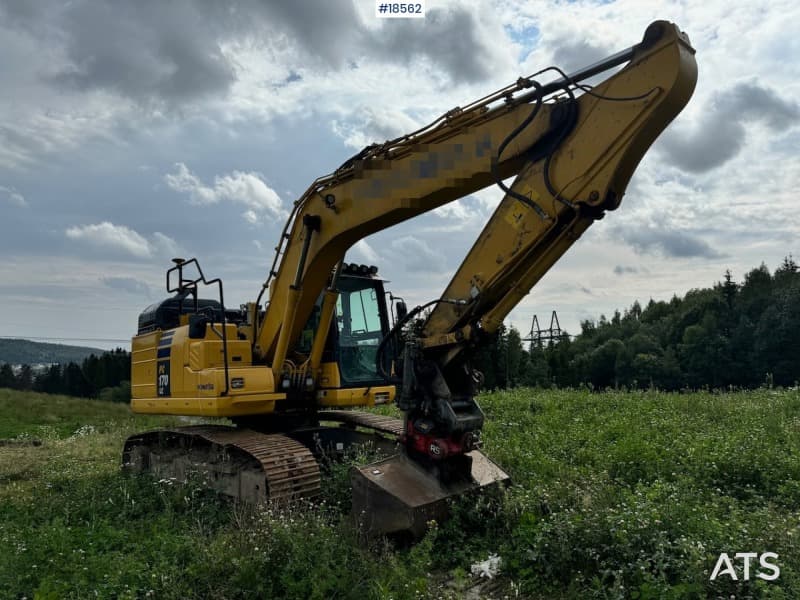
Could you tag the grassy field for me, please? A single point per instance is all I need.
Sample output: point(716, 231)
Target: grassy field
point(615, 495)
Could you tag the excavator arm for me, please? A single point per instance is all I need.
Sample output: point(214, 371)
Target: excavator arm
point(573, 149)
point(584, 175)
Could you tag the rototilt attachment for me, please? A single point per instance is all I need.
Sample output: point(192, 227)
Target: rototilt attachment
point(399, 495)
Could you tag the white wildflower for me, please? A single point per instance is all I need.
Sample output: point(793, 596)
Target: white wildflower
point(487, 568)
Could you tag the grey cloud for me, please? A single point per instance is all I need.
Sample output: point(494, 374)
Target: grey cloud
point(327, 30)
point(451, 38)
point(721, 133)
point(29, 16)
point(571, 55)
point(758, 102)
point(675, 244)
point(172, 52)
point(128, 284)
point(144, 50)
point(624, 270)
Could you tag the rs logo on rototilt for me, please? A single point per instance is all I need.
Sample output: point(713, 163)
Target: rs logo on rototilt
point(766, 570)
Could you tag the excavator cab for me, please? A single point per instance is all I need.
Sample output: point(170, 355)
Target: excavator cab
point(360, 325)
point(360, 322)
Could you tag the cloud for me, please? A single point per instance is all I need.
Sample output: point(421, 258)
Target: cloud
point(625, 270)
point(457, 39)
point(457, 210)
point(107, 72)
point(176, 52)
point(163, 244)
point(238, 187)
point(721, 133)
point(128, 284)
point(329, 31)
point(142, 50)
point(365, 253)
point(417, 255)
point(373, 126)
point(108, 236)
point(675, 244)
point(571, 54)
point(12, 196)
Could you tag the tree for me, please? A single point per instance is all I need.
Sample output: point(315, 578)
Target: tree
point(7, 378)
point(25, 378)
point(636, 311)
point(514, 364)
point(535, 370)
point(729, 288)
point(729, 334)
point(75, 383)
point(777, 338)
point(755, 293)
point(51, 381)
point(788, 268)
point(603, 363)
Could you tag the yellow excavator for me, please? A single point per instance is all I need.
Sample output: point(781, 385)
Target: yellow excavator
point(320, 340)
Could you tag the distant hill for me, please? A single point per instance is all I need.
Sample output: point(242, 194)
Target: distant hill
point(27, 352)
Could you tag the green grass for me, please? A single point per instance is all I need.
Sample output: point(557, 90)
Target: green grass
point(56, 417)
point(615, 495)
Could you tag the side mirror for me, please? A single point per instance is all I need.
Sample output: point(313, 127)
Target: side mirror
point(401, 310)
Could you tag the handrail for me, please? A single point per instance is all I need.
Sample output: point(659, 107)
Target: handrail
point(190, 285)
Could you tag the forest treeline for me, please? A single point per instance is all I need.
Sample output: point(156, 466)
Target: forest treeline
point(741, 334)
point(106, 376)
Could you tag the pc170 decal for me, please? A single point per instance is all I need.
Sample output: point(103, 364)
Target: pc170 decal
point(162, 372)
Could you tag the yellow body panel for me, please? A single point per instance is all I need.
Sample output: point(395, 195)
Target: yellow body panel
point(143, 365)
point(332, 394)
point(329, 376)
point(224, 406)
point(176, 375)
point(356, 396)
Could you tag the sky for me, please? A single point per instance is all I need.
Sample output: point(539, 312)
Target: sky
point(134, 132)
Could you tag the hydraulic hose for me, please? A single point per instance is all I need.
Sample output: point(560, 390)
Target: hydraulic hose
point(394, 331)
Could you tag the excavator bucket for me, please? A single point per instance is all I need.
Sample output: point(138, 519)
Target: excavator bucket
point(399, 495)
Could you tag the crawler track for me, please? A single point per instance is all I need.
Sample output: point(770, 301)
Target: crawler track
point(354, 418)
point(241, 463)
